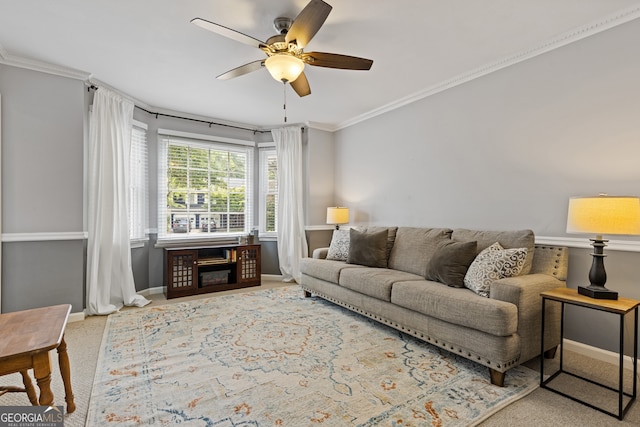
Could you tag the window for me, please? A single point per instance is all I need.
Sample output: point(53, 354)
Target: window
point(204, 188)
point(138, 183)
point(268, 190)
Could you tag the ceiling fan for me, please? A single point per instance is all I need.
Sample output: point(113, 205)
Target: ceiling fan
point(285, 55)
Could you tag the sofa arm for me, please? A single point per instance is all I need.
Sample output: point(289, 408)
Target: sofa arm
point(320, 253)
point(524, 292)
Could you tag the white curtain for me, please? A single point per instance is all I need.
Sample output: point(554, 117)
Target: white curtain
point(292, 242)
point(109, 274)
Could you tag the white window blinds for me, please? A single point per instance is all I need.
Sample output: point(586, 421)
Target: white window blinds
point(204, 188)
point(138, 184)
point(268, 191)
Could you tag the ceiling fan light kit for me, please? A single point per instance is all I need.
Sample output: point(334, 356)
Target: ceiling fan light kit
point(286, 58)
point(284, 67)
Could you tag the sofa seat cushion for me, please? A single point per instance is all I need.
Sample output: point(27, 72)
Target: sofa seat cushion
point(375, 282)
point(457, 305)
point(324, 269)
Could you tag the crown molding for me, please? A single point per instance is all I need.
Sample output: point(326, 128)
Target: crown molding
point(44, 67)
point(603, 24)
point(99, 83)
point(322, 126)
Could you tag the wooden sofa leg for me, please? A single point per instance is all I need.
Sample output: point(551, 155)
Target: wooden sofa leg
point(307, 294)
point(497, 377)
point(551, 353)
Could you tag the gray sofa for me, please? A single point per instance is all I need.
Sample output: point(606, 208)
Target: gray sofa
point(499, 331)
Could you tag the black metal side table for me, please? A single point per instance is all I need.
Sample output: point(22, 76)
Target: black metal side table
point(621, 307)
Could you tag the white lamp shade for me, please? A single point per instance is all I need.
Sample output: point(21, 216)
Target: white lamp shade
point(604, 215)
point(284, 67)
point(337, 215)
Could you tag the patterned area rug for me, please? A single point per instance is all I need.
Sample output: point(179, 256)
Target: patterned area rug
point(274, 358)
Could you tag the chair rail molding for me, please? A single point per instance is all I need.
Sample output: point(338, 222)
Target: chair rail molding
point(583, 243)
point(43, 237)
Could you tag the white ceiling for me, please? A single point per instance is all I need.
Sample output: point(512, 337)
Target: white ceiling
point(148, 50)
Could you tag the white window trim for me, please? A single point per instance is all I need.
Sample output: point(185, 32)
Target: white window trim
point(204, 141)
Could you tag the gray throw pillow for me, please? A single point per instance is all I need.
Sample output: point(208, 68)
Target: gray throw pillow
point(368, 249)
point(451, 261)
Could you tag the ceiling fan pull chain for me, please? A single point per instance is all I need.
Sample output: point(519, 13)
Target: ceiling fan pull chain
point(284, 94)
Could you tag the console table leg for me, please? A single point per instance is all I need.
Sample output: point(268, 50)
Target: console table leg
point(65, 370)
point(28, 387)
point(42, 372)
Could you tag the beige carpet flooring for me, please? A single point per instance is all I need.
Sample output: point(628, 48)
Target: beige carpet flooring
point(540, 408)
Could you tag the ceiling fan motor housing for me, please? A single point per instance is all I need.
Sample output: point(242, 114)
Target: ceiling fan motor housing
point(277, 44)
point(282, 24)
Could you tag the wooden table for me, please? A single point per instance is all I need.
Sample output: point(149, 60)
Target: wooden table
point(27, 337)
point(620, 307)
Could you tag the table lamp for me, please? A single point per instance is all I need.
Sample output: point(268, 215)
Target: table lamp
point(337, 215)
point(601, 215)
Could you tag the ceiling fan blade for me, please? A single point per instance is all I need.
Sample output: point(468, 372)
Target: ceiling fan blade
point(228, 32)
point(242, 70)
point(308, 22)
point(301, 85)
point(334, 60)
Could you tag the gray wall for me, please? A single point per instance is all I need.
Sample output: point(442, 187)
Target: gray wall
point(42, 189)
point(506, 151)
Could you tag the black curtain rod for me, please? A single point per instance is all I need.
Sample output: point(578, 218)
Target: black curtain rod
point(201, 121)
point(210, 123)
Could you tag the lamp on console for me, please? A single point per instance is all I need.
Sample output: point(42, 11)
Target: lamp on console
point(601, 215)
point(337, 215)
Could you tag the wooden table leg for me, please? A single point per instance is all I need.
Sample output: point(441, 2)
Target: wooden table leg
point(65, 370)
point(42, 372)
point(28, 387)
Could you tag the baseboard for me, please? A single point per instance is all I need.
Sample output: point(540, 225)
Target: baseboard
point(76, 317)
point(597, 353)
point(152, 291)
point(272, 276)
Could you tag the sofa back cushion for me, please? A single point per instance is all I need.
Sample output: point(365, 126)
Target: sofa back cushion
point(507, 239)
point(414, 247)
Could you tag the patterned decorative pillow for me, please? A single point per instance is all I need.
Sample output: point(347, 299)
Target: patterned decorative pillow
point(492, 264)
point(339, 247)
